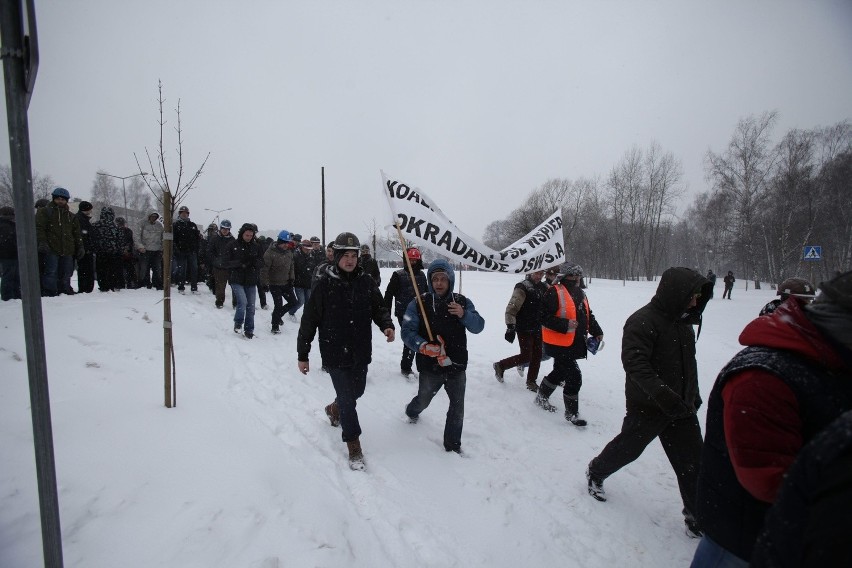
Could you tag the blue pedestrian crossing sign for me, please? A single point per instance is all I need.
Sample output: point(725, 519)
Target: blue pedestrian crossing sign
point(812, 252)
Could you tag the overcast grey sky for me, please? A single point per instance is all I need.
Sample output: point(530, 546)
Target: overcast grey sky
point(475, 101)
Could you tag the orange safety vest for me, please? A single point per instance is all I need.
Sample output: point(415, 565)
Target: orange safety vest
point(565, 310)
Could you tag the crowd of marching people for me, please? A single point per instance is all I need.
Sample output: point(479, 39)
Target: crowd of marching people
point(766, 484)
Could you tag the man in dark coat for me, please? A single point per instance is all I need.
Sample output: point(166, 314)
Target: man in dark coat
point(711, 276)
point(401, 289)
point(218, 249)
point(86, 264)
point(441, 358)
point(10, 284)
point(369, 265)
point(128, 260)
point(244, 261)
point(729, 284)
point(343, 302)
point(59, 240)
point(107, 239)
point(523, 318)
point(793, 378)
point(809, 524)
point(567, 322)
point(187, 239)
point(661, 389)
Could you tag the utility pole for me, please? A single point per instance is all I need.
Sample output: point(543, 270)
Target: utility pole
point(322, 175)
point(217, 212)
point(123, 190)
point(19, 53)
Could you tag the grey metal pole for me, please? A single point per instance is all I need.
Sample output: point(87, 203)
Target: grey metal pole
point(322, 177)
point(16, 70)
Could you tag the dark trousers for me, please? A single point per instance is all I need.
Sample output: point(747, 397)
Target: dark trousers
point(220, 281)
point(407, 355)
point(261, 294)
point(109, 267)
point(128, 271)
point(530, 343)
point(681, 440)
point(151, 269)
point(349, 384)
point(727, 292)
point(86, 273)
point(567, 371)
point(280, 293)
point(10, 283)
point(187, 262)
point(454, 383)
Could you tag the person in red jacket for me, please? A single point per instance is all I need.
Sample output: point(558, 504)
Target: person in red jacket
point(793, 378)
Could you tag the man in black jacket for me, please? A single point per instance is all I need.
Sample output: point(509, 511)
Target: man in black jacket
point(187, 239)
point(343, 302)
point(369, 265)
point(661, 390)
point(567, 322)
point(441, 347)
point(86, 264)
point(218, 249)
point(401, 289)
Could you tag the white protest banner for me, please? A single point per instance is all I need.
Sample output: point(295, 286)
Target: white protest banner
point(423, 223)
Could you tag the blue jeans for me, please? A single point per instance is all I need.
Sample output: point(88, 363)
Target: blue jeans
point(711, 555)
point(187, 261)
point(302, 295)
point(349, 384)
point(57, 274)
point(10, 283)
point(454, 383)
point(245, 296)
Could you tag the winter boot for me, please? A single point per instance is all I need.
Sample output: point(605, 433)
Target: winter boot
point(356, 456)
point(238, 327)
point(248, 334)
point(532, 385)
point(498, 372)
point(275, 329)
point(333, 413)
point(520, 370)
point(572, 415)
point(596, 489)
point(544, 392)
point(543, 403)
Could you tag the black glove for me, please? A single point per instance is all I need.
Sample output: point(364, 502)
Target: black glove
point(510, 333)
point(671, 403)
point(43, 248)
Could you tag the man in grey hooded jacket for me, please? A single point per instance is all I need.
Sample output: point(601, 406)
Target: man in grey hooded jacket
point(149, 243)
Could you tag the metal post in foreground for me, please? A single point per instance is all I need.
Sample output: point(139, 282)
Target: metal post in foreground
point(20, 62)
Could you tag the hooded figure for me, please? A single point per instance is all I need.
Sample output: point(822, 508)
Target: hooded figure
point(442, 354)
point(661, 387)
point(793, 378)
point(107, 239)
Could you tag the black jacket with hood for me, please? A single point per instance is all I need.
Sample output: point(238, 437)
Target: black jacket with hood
point(658, 344)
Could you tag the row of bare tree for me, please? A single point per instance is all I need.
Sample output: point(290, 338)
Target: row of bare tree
point(767, 202)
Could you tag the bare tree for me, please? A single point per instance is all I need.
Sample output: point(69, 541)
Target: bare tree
point(105, 192)
point(42, 186)
point(743, 171)
point(170, 192)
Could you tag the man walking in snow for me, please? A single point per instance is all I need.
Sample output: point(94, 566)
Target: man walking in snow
point(401, 289)
point(523, 318)
point(729, 284)
point(342, 304)
point(567, 321)
point(441, 360)
point(658, 354)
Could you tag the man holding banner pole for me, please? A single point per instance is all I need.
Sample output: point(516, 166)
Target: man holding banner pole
point(442, 359)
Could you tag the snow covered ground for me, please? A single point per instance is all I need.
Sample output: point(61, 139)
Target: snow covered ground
point(247, 472)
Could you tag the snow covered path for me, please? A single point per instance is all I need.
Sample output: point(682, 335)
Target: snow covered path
point(246, 471)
